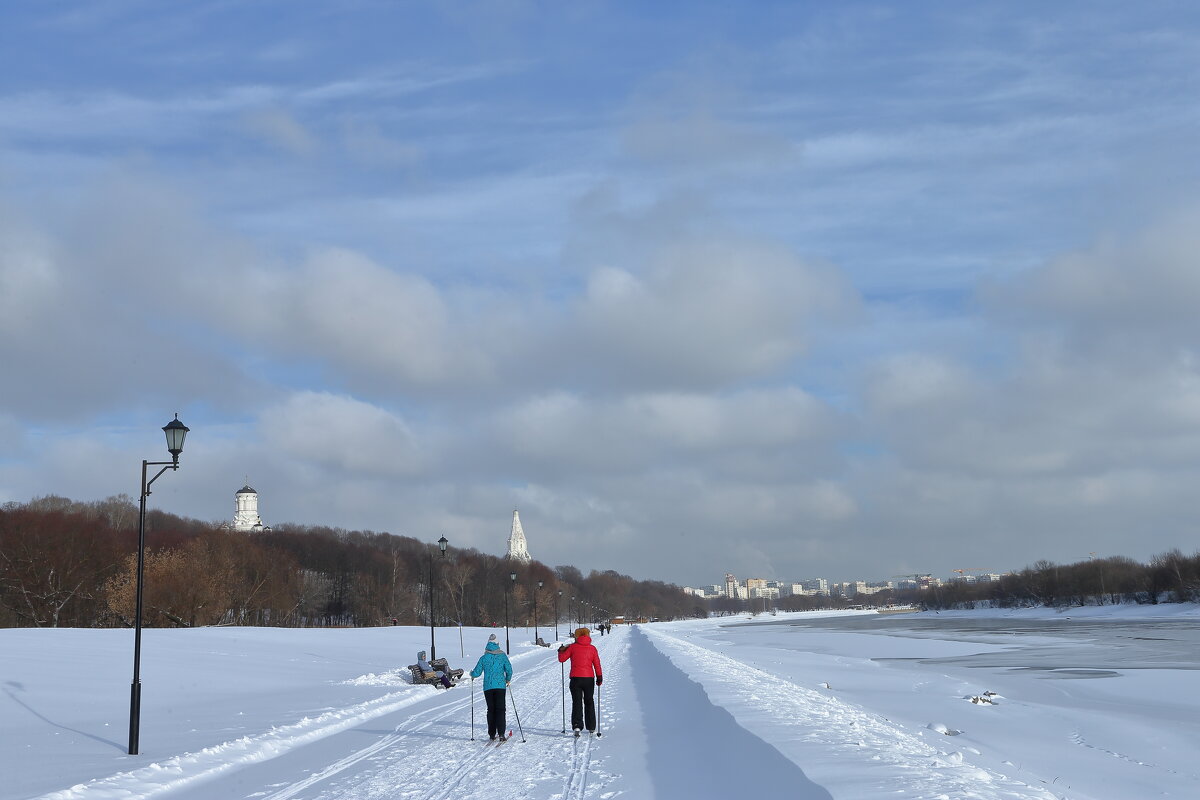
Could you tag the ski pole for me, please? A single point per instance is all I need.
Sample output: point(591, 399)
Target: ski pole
point(517, 713)
point(472, 708)
point(598, 733)
point(562, 674)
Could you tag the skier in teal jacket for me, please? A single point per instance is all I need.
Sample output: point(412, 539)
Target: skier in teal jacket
point(497, 672)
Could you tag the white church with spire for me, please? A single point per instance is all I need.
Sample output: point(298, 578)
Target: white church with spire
point(518, 550)
point(245, 515)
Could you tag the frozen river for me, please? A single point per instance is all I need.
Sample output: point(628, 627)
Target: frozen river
point(1090, 702)
point(1063, 646)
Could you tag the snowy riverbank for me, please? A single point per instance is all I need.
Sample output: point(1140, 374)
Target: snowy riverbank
point(1086, 703)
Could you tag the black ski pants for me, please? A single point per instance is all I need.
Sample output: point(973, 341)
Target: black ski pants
point(497, 724)
point(583, 703)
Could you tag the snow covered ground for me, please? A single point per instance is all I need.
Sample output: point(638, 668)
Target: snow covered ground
point(1095, 703)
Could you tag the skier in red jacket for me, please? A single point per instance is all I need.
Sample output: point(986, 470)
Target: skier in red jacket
point(586, 675)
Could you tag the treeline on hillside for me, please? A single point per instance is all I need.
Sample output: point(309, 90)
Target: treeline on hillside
point(1168, 578)
point(64, 563)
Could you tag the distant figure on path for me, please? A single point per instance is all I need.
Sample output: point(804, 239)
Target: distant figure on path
point(497, 673)
point(586, 675)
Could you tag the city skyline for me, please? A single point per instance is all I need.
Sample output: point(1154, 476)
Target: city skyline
point(821, 585)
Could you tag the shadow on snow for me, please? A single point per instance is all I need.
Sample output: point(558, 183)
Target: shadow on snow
point(675, 708)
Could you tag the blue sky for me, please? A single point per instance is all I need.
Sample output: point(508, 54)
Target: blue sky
point(783, 289)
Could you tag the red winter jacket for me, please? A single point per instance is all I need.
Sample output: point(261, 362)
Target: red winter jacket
point(584, 658)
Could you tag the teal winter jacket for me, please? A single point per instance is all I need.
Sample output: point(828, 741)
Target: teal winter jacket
point(495, 668)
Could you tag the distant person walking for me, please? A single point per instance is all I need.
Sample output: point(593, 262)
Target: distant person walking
point(497, 672)
point(586, 675)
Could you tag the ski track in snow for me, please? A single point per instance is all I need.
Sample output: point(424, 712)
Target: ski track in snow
point(417, 762)
point(575, 786)
point(427, 756)
point(180, 771)
point(894, 760)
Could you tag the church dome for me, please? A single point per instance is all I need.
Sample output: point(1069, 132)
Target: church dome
point(246, 516)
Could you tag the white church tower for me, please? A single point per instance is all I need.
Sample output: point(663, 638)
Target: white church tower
point(246, 517)
point(517, 549)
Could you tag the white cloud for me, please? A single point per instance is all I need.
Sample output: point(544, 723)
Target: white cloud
point(152, 118)
point(667, 424)
point(341, 432)
point(89, 294)
point(30, 278)
point(1144, 288)
point(363, 320)
point(1080, 433)
point(706, 313)
point(917, 380)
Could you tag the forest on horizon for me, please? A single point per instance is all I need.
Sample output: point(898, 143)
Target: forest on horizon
point(73, 564)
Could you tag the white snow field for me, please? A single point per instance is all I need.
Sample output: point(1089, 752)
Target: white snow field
point(1096, 703)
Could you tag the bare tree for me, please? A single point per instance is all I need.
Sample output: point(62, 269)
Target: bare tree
point(457, 576)
point(52, 565)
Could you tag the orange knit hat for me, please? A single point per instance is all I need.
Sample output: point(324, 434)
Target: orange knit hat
point(582, 632)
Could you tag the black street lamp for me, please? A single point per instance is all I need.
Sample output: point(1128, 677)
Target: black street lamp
point(535, 627)
point(176, 431)
point(512, 581)
point(571, 613)
point(557, 597)
point(442, 542)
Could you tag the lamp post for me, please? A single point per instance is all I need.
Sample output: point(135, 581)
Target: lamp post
point(442, 542)
point(571, 613)
point(557, 597)
point(535, 627)
point(512, 581)
point(176, 431)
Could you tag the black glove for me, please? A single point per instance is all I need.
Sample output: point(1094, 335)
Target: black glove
point(599, 681)
point(562, 648)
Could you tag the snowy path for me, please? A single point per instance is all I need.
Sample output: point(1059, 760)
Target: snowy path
point(425, 752)
point(673, 706)
point(682, 718)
